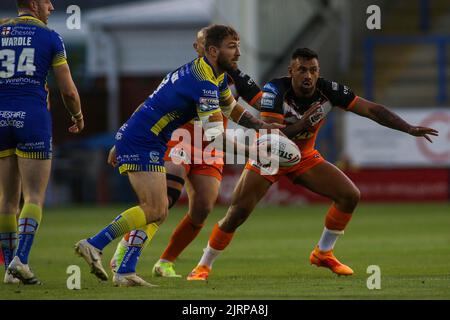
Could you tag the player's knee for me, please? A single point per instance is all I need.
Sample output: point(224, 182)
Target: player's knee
point(156, 212)
point(236, 216)
point(200, 211)
point(351, 197)
point(162, 216)
point(9, 206)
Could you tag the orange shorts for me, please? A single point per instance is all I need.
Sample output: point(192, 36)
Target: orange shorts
point(213, 170)
point(306, 163)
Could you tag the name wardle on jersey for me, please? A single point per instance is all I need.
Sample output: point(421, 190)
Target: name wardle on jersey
point(23, 72)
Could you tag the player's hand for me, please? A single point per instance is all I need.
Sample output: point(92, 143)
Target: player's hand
point(112, 160)
point(425, 132)
point(78, 125)
point(313, 115)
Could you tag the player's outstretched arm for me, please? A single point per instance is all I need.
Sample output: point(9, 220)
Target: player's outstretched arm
point(70, 96)
point(387, 118)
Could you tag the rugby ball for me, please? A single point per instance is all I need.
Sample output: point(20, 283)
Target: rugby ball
point(282, 150)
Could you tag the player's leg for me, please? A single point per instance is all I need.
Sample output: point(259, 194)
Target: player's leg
point(250, 189)
point(327, 180)
point(175, 177)
point(152, 210)
point(9, 206)
point(34, 177)
point(202, 191)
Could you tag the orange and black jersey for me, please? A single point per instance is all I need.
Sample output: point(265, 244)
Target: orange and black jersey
point(279, 101)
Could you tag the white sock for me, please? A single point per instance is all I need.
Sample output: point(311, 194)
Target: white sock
point(208, 257)
point(328, 239)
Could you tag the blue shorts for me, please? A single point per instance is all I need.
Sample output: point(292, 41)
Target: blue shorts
point(138, 149)
point(25, 130)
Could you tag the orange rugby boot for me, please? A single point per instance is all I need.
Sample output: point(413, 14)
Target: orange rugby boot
point(199, 273)
point(328, 260)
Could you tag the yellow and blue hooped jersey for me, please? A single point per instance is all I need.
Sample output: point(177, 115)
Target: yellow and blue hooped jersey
point(191, 91)
point(28, 49)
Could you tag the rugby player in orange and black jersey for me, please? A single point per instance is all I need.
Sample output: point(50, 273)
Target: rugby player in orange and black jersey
point(280, 101)
point(302, 101)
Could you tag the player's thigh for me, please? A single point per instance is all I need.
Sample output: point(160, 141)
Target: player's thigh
point(202, 192)
point(175, 170)
point(249, 190)
point(34, 176)
point(149, 187)
point(327, 180)
point(9, 185)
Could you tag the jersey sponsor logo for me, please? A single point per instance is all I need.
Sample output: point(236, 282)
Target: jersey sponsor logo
point(346, 90)
point(6, 31)
point(12, 119)
point(268, 100)
point(210, 93)
point(23, 31)
point(271, 88)
point(207, 103)
point(335, 86)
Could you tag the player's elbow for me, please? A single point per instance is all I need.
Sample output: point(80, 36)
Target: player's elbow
point(70, 94)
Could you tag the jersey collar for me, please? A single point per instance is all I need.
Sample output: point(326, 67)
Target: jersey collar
point(29, 16)
point(209, 64)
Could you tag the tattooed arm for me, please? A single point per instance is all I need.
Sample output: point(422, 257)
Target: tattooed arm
point(387, 118)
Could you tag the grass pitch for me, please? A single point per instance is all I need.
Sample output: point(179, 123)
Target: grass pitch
point(267, 259)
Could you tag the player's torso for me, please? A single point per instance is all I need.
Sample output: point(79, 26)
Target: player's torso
point(293, 108)
point(25, 58)
point(179, 97)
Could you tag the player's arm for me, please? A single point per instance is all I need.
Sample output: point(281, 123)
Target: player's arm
point(387, 118)
point(70, 96)
point(69, 92)
point(237, 113)
point(247, 88)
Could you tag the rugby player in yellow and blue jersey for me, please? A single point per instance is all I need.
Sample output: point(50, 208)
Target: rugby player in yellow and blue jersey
point(28, 49)
point(196, 89)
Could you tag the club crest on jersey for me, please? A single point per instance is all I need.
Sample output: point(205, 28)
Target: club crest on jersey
point(154, 156)
point(6, 31)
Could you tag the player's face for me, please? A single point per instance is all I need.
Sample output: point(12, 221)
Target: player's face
point(199, 44)
point(229, 54)
point(304, 75)
point(44, 9)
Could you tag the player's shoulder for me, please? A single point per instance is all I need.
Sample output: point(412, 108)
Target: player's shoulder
point(203, 72)
point(278, 85)
point(329, 86)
